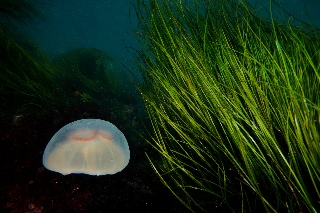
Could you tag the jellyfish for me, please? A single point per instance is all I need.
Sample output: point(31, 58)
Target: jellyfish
point(88, 146)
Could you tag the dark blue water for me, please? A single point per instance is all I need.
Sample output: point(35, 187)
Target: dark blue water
point(105, 25)
point(305, 10)
point(109, 24)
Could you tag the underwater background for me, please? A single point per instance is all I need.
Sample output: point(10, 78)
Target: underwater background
point(79, 59)
point(107, 25)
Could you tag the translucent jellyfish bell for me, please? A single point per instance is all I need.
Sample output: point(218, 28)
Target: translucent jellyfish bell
point(89, 146)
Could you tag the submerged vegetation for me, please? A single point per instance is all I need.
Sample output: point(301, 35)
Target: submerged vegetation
point(94, 72)
point(26, 77)
point(233, 100)
point(33, 83)
point(21, 76)
point(19, 11)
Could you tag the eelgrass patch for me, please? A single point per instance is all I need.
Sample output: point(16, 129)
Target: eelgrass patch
point(234, 107)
